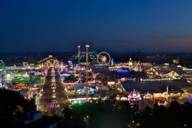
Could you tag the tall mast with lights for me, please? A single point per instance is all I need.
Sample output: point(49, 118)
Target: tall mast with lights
point(78, 53)
point(87, 46)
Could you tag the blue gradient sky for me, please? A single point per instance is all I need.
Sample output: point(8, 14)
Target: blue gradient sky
point(118, 25)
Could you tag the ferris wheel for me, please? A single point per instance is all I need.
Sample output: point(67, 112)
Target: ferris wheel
point(104, 58)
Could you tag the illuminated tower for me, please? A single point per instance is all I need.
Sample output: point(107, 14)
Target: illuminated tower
point(167, 89)
point(87, 46)
point(78, 53)
point(130, 64)
point(87, 65)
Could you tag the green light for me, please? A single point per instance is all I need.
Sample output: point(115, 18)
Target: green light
point(75, 102)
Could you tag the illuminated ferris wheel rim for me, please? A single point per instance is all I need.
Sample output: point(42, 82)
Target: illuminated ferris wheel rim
point(101, 54)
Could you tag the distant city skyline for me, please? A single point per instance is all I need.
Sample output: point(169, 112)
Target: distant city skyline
point(114, 25)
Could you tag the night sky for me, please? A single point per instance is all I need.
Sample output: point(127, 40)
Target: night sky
point(115, 25)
